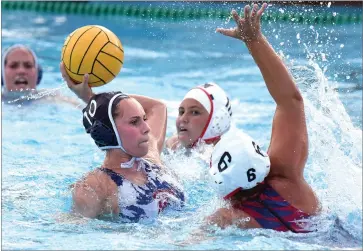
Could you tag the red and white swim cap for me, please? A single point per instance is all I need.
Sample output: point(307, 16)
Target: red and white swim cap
point(216, 102)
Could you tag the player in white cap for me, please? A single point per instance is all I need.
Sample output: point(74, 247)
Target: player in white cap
point(205, 113)
point(265, 190)
point(237, 163)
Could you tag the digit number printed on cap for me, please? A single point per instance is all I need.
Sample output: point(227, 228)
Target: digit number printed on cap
point(222, 164)
point(91, 111)
point(251, 176)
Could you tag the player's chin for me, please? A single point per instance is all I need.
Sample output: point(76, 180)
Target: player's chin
point(185, 140)
point(143, 149)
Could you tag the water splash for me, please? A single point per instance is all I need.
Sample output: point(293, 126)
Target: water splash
point(334, 166)
point(31, 95)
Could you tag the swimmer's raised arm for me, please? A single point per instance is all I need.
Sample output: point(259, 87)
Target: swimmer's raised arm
point(156, 114)
point(289, 141)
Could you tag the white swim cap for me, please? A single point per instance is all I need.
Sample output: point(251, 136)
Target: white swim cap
point(216, 102)
point(237, 163)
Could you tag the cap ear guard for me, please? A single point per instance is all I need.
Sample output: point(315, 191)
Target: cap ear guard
point(222, 112)
point(40, 74)
point(237, 163)
point(102, 134)
point(221, 164)
point(219, 124)
point(98, 119)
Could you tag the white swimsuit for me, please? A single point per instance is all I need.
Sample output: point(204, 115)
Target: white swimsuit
point(146, 201)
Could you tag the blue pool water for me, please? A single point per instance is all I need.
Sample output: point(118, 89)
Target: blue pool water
point(45, 148)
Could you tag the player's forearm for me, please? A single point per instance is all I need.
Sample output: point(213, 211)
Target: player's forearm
point(278, 80)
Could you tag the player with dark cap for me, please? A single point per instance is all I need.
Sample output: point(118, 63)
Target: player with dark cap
point(130, 183)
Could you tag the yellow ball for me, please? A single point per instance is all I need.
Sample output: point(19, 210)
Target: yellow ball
point(94, 50)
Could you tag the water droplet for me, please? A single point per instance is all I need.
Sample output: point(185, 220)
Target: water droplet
point(342, 45)
point(228, 19)
point(323, 56)
point(347, 77)
point(281, 10)
point(334, 14)
point(329, 4)
point(298, 36)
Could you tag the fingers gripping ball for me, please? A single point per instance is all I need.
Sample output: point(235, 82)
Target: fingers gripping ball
point(94, 50)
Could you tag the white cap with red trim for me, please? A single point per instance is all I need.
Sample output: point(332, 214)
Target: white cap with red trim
point(216, 102)
point(237, 163)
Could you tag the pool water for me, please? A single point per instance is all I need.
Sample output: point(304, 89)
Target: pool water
point(45, 148)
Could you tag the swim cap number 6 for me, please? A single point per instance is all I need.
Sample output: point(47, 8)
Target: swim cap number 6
point(237, 163)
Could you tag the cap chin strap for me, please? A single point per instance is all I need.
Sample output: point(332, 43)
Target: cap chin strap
point(211, 140)
point(207, 141)
point(130, 163)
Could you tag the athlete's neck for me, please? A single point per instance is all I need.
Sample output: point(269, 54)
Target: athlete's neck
point(114, 158)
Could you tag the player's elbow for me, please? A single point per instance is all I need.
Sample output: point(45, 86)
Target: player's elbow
point(297, 97)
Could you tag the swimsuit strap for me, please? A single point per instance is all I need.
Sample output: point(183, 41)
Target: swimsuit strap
point(117, 178)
